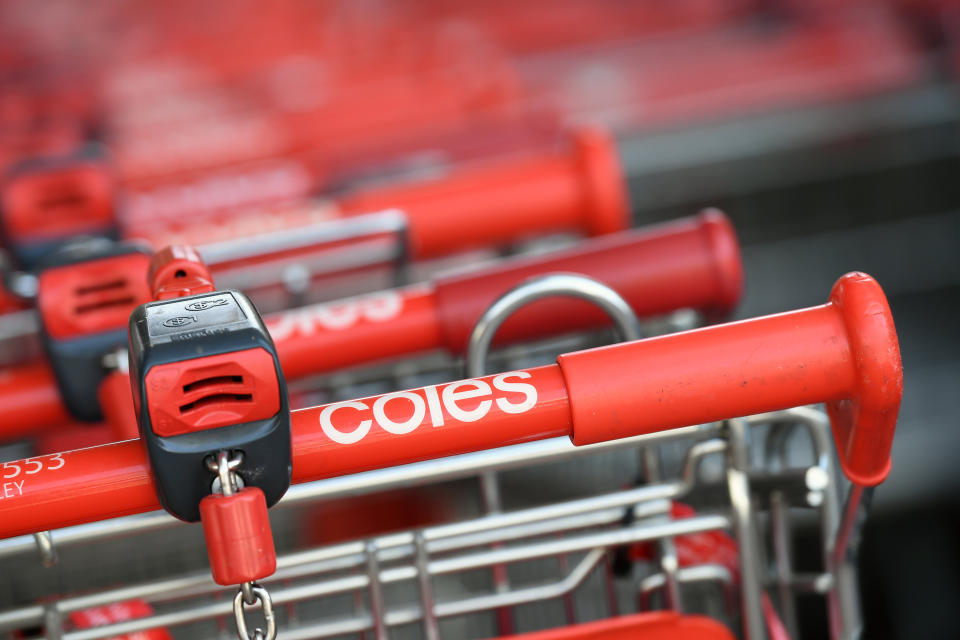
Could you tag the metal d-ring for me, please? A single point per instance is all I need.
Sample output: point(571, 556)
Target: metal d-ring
point(556, 284)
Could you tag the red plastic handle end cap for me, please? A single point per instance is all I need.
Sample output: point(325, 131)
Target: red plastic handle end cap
point(725, 249)
point(607, 205)
point(863, 425)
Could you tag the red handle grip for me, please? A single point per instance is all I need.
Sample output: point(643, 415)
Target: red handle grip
point(582, 189)
point(688, 263)
point(692, 262)
point(844, 353)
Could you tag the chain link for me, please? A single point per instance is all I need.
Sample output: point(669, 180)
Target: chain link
point(266, 604)
point(225, 467)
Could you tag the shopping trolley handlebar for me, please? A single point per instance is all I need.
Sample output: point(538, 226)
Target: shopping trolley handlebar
point(579, 189)
point(692, 262)
point(689, 263)
point(844, 353)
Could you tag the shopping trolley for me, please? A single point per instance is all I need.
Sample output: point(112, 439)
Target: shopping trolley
point(637, 394)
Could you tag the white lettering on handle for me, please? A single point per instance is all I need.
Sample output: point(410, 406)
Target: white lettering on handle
point(451, 395)
point(433, 407)
point(399, 428)
point(528, 390)
point(28, 467)
point(336, 316)
point(363, 428)
point(433, 403)
point(11, 489)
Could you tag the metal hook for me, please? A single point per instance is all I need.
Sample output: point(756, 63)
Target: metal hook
point(266, 604)
point(48, 553)
point(557, 284)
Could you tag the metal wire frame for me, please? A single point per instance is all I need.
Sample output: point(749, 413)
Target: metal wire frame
point(592, 526)
point(496, 528)
point(295, 272)
point(627, 326)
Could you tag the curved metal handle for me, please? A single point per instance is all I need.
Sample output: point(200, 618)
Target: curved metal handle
point(557, 284)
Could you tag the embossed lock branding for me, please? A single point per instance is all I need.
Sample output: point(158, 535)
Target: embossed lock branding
point(214, 313)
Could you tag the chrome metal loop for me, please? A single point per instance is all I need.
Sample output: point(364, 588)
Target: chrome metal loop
point(556, 284)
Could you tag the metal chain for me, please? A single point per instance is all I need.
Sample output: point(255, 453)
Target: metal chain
point(266, 604)
point(228, 482)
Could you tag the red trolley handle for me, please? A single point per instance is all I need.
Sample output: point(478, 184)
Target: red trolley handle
point(579, 188)
point(693, 262)
point(844, 353)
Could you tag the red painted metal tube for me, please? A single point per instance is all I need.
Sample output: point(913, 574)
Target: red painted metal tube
point(334, 335)
point(580, 190)
point(692, 262)
point(844, 352)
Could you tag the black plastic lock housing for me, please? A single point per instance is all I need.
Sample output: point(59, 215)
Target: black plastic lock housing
point(206, 378)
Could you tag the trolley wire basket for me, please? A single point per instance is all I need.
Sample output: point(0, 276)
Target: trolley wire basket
point(429, 577)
